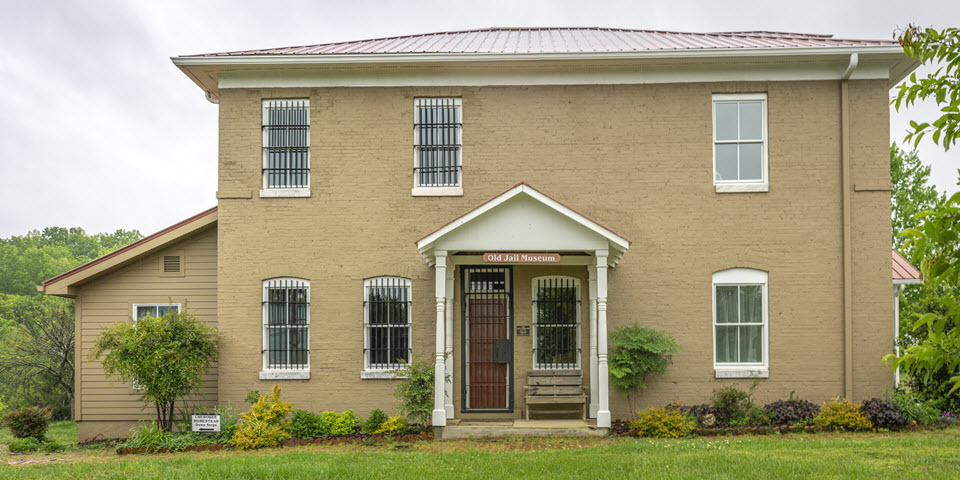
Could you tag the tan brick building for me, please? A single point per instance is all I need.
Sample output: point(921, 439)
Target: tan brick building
point(497, 201)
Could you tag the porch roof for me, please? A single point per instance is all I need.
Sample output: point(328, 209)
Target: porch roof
point(523, 218)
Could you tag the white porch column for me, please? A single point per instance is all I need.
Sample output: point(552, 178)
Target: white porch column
point(439, 412)
point(594, 377)
point(603, 413)
point(448, 357)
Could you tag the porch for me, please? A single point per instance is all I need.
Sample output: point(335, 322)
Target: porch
point(488, 264)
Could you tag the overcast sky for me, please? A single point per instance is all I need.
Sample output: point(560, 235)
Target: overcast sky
point(99, 130)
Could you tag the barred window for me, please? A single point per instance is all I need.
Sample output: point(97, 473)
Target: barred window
point(286, 324)
point(437, 142)
point(286, 144)
point(386, 322)
point(556, 323)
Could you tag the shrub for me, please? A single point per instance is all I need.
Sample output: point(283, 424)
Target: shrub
point(263, 425)
point(393, 426)
point(883, 414)
point(636, 352)
point(306, 424)
point(738, 407)
point(374, 421)
point(24, 445)
point(706, 415)
point(416, 391)
point(147, 435)
point(345, 424)
point(662, 423)
point(841, 414)
point(792, 411)
point(915, 409)
point(252, 397)
point(28, 422)
point(229, 417)
point(52, 446)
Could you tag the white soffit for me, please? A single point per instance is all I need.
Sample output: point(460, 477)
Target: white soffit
point(523, 219)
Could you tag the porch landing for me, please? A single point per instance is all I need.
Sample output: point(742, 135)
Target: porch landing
point(459, 429)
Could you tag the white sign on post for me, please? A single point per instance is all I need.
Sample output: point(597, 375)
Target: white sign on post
point(205, 423)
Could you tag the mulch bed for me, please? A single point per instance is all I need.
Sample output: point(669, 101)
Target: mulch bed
point(621, 428)
point(358, 438)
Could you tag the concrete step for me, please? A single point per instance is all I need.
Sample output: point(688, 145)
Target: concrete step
point(519, 428)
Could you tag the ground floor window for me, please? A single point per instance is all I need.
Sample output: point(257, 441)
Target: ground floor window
point(155, 310)
point(740, 317)
point(286, 324)
point(556, 323)
point(386, 322)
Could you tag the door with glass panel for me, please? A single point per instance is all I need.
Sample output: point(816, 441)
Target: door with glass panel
point(487, 314)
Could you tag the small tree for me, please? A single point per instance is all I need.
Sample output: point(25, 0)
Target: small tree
point(167, 356)
point(416, 390)
point(637, 352)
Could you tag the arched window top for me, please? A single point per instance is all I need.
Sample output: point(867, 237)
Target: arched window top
point(740, 275)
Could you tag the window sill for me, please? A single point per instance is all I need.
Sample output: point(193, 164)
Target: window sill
point(741, 187)
point(380, 375)
point(285, 192)
point(437, 191)
point(742, 372)
point(285, 375)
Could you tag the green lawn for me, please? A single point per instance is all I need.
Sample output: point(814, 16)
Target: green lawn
point(875, 456)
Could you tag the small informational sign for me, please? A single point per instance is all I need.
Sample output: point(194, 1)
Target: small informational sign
point(521, 258)
point(205, 423)
point(523, 330)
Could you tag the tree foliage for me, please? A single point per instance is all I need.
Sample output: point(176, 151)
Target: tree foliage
point(934, 242)
point(930, 46)
point(912, 192)
point(167, 356)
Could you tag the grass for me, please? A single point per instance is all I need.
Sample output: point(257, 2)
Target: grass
point(65, 433)
point(871, 455)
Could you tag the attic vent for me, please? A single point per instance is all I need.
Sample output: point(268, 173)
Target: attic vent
point(171, 264)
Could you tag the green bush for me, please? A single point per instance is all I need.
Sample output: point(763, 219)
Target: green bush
point(345, 423)
point(393, 426)
point(636, 352)
point(841, 414)
point(738, 407)
point(915, 409)
point(28, 422)
point(52, 446)
point(659, 422)
point(147, 435)
point(24, 445)
point(415, 391)
point(374, 421)
point(306, 424)
point(263, 425)
point(229, 417)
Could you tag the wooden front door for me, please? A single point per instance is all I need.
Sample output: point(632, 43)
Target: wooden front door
point(487, 344)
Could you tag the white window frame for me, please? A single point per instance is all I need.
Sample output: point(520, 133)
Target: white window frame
point(135, 383)
point(533, 290)
point(437, 191)
point(736, 186)
point(302, 372)
point(266, 191)
point(742, 277)
point(377, 371)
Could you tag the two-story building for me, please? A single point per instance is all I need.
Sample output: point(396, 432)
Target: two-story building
point(498, 201)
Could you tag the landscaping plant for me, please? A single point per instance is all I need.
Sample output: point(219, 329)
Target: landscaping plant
point(738, 407)
point(306, 424)
point(637, 352)
point(841, 414)
point(167, 356)
point(28, 422)
point(345, 423)
point(415, 391)
point(915, 409)
point(263, 425)
point(659, 422)
point(374, 421)
point(883, 414)
point(395, 425)
point(791, 411)
point(24, 445)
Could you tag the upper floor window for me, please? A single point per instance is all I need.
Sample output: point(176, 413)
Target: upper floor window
point(286, 148)
point(437, 145)
point(740, 323)
point(740, 142)
point(386, 323)
point(286, 325)
point(556, 323)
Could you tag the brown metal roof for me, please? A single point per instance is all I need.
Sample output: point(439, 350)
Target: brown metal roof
point(560, 40)
point(902, 269)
